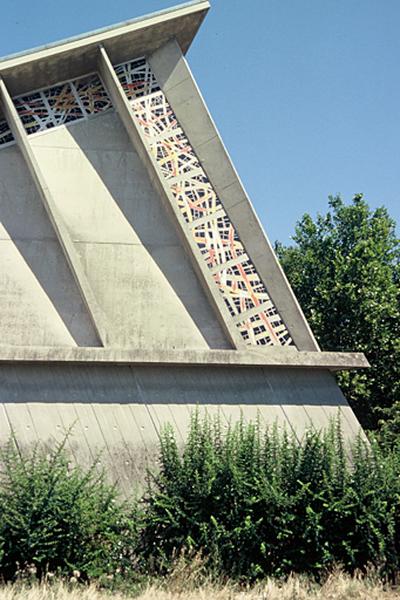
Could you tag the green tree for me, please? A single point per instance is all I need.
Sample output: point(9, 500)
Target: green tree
point(345, 271)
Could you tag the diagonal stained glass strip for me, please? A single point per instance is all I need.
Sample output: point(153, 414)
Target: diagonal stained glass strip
point(5, 133)
point(136, 78)
point(214, 234)
point(62, 103)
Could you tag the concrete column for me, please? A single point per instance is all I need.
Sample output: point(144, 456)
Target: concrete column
point(21, 137)
point(136, 136)
point(176, 81)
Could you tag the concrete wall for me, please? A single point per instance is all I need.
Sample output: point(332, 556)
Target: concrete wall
point(145, 284)
point(141, 287)
point(39, 301)
point(128, 247)
point(119, 410)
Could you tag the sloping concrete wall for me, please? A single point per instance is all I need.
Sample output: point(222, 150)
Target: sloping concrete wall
point(129, 249)
point(39, 301)
point(118, 410)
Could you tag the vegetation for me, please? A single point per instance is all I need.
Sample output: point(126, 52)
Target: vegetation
point(253, 502)
point(60, 520)
point(337, 587)
point(345, 271)
point(261, 504)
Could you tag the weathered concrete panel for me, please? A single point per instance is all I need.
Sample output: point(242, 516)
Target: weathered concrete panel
point(39, 301)
point(114, 414)
point(118, 411)
point(27, 314)
point(130, 252)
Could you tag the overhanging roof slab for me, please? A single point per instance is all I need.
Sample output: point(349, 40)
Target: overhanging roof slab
point(47, 65)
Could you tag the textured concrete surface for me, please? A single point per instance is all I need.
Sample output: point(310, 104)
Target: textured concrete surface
point(118, 411)
point(262, 356)
point(67, 59)
point(127, 245)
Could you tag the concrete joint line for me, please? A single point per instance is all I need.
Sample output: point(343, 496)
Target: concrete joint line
point(22, 239)
point(228, 185)
point(172, 87)
point(97, 243)
point(225, 190)
point(56, 220)
point(139, 142)
point(197, 146)
point(242, 200)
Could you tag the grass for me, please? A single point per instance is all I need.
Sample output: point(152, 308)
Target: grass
point(179, 587)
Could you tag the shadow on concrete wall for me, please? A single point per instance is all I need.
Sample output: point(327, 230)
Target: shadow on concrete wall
point(136, 208)
point(24, 218)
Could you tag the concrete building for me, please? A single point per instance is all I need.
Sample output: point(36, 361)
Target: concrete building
point(136, 281)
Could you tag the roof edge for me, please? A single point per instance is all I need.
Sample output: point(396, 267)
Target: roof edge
point(72, 58)
point(192, 6)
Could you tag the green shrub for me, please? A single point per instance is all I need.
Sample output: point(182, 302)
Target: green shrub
point(58, 519)
point(253, 502)
point(257, 503)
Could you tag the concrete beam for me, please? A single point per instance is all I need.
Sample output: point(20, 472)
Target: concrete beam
point(67, 59)
point(67, 245)
point(266, 357)
point(137, 138)
point(176, 81)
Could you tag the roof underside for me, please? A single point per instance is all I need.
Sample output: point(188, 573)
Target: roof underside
point(77, 56)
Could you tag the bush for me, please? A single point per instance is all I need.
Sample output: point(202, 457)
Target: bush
point(259, 504)
point(251, 502)
point(58, 519)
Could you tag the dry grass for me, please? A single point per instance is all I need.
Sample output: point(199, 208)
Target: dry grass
point(337, 587)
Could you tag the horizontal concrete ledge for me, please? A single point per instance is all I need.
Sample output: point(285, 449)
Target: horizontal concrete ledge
point(265, 357)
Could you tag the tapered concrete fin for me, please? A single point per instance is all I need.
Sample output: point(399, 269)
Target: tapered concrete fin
point(56, 220)
point(175, 79)
point(138, 139)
